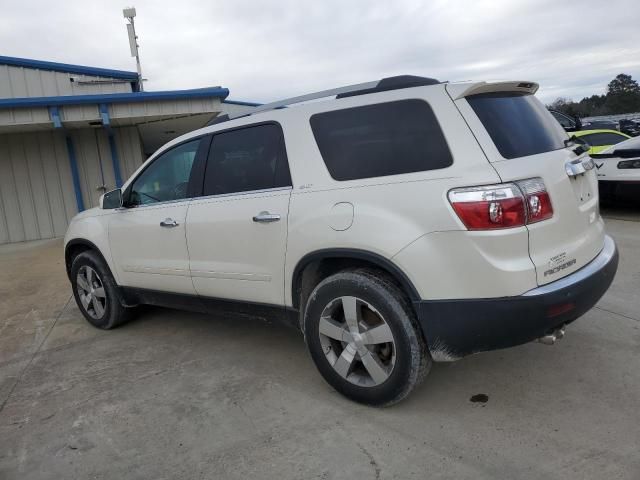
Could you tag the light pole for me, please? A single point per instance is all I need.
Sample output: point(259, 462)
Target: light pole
point(129, 13)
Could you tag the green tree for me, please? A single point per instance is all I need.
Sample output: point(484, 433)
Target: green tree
point(623, 95)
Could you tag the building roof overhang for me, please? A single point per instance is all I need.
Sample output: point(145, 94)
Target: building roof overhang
point(68, 68)
point(110, 98)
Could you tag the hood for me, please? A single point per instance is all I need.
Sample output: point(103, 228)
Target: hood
point(91, 212)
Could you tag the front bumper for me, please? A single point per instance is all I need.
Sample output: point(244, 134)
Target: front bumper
point(455, 328)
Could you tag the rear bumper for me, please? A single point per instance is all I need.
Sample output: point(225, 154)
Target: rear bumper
point(455, 328)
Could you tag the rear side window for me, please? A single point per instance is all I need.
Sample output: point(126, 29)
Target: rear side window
point(251, 158)
point(518, 124)
point(380, 140)
point(602, 139)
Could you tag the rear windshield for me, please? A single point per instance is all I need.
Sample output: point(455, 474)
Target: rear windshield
point(518, 124)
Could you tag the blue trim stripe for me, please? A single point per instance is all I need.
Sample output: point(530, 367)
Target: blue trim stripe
point(75, 174)
point(239, 102)
point(109, 98)
point(68, 68)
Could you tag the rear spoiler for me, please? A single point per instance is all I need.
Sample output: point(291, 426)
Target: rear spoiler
point(461, 90)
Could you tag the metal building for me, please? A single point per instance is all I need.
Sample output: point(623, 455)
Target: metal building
point(68, 133)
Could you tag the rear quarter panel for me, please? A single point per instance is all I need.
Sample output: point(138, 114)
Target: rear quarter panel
point(390, 212)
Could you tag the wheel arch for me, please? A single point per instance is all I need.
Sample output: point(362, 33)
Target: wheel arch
point(75, 247)
point(357, 258)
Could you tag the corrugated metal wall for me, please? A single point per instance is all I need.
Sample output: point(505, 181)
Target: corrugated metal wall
point(37, 197)
point(36, 191)
point(129, 146)
point(94, 159)
point(17, 82)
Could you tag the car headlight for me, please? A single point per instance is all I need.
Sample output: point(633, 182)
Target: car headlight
point(629, 164)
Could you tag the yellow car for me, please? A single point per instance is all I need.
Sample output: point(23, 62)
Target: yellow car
point(599, 140)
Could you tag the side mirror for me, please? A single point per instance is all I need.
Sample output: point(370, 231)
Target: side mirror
point(578, 123)
point(111, 200)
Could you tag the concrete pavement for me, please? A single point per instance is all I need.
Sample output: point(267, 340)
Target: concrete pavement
point(182, 395)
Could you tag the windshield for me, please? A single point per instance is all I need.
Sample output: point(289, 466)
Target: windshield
point(518, 124)
point(630, 144)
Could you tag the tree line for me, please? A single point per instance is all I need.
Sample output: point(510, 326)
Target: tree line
point(623, 96)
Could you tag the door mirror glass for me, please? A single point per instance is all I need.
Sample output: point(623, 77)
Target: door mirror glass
point(578, 123)
point(112, 199)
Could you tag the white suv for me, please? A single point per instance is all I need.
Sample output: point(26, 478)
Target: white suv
point(397, 223)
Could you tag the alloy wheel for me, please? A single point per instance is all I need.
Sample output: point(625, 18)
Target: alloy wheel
point(357, 341)
point(91, 292)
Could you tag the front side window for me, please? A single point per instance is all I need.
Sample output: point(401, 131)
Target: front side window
point(604, 138)
point(382, 139)
point(247, 159)
point(518, 124)
point(563, 120)
point(167, 178)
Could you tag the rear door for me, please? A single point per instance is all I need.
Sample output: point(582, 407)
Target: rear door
point(522, 140)
point(237, 231)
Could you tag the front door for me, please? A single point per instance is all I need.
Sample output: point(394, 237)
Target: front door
point(237, 232)
point(147, 237)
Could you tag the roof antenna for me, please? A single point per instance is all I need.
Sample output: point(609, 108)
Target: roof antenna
point(129, 13)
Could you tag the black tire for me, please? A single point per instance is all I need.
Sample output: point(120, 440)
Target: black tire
point(412, 359)
point(113, 313)
point(607, 191)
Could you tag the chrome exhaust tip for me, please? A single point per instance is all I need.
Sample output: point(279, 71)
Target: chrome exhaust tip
point(551, 338)
point(548, 339)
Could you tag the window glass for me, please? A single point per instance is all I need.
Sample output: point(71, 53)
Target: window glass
point(379, 140)
point(246, 159)
point(518, 124)
point(166, 178)
point(565, 121)
point(602, 139)
point(631, 143)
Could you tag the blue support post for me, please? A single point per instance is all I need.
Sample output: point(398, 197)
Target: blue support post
point(54, 113)
point(75, 174)
point(115, 161)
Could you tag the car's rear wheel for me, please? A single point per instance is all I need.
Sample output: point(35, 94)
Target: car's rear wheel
point(363, 337)
point(95, 292)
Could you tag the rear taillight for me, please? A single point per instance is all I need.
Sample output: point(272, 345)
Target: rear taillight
point(489, 207)
point(505, 205)
point(538, 201)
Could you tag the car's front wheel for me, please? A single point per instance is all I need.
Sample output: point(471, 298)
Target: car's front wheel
point(95, 292)
point(363, 337)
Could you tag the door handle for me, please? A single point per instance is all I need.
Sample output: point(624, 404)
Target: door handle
point(169, 222)
point(266, 217)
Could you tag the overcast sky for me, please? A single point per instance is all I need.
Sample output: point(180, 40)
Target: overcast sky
point(265, 50)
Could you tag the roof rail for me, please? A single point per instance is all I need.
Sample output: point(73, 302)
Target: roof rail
point(386, 84)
